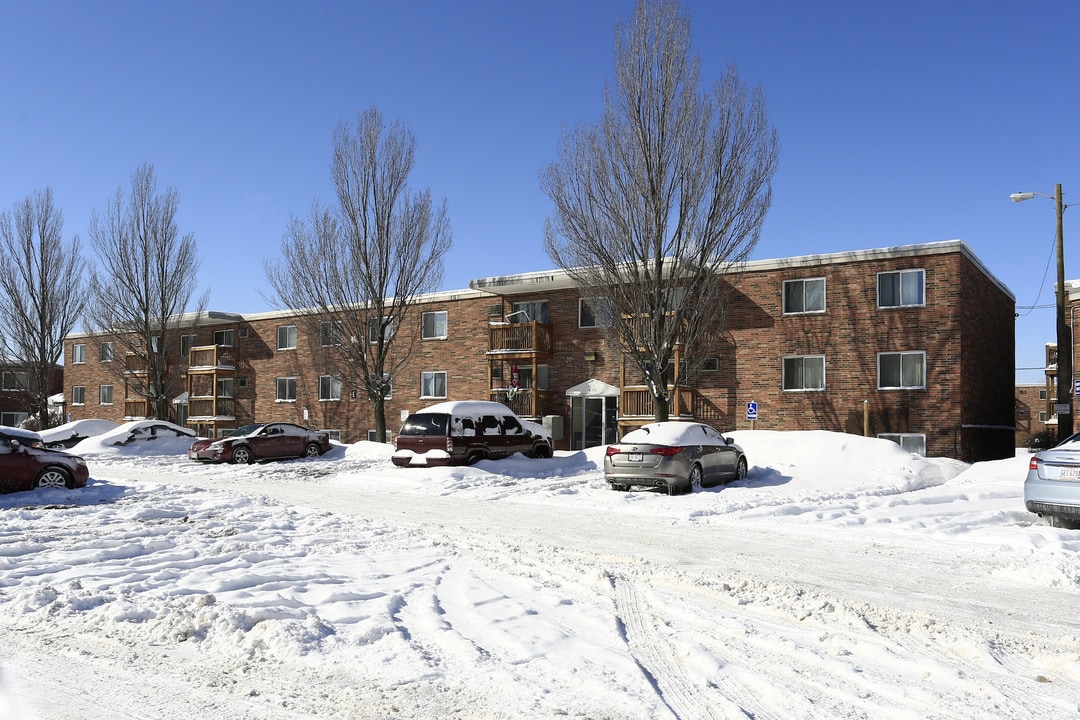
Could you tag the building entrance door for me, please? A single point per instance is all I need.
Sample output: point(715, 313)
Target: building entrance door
point(593, 421)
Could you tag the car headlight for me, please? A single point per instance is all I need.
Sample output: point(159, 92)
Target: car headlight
point(216, 445)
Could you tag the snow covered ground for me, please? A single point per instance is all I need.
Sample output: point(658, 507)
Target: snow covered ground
point(844, 578)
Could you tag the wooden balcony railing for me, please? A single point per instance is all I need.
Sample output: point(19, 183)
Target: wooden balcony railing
point(212, 356)
point(638, 402)
point(211, 407)
point(520, 337)
point(137, 409)
point(525, 402)
point(136, 364)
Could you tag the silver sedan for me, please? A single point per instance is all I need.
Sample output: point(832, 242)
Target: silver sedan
point(1052, 486)
point(676, 456)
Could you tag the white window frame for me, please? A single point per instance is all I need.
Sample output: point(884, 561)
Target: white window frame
point(290, 382)
point(373, 330)
point(225, 338)
point(802, 386)
point(804, 282)
point(78, 394)
point(435, 335)
point(903, 302)
point(329, 388)
point(226, 387)
point(912, 442)
point(78, 354)
point(13, 419)
point(15, 381)
point(903, 354)
point(598, 310)
point(287, 337)
point(104, 390)
point(429, 386)
point(330, 330)
point(108, 351)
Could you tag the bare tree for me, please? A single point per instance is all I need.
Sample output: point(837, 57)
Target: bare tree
point(43, 292)
point(352, 274)
point(658, 202)
point(144, 284)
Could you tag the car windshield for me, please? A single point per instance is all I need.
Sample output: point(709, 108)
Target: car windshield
point(244, 430)
point(426, 424)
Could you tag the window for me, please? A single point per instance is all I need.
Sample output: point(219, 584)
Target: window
point(804, 372)
point(334, 434)
point(225, 387)
point(244, 332)
point(13, 419)
point(1043, 416)
point(1042, 394)
point(330, 333)
point(186, 343)
point(526, 380)
point(901, 370)
point(241, 382)
point(535, 310)
point(387, 388)
point(804, 296)
point(387, 326)
point(329, 388)
point(105, 395)
point(78, 395)
point(16, 380)
point(593, 312)
point(225, 337)
point(106, 352)
point(286, 337)
point(286, 389)
point(912, 442)
point(78, 353)
point(433, 384)
point(902, 288)
point(155, 344)
point(434, 325)
point(711, 365)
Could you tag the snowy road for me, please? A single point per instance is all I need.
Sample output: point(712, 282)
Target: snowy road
point(347, 588)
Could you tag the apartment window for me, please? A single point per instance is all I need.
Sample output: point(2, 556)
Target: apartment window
point(334, 434)
point(387, 326)
point(78, 353)
point(526, 379)
point(804, 296)
point(329, 388)
point(105, 395)
point(106, 352)
point(387, 387)
point(433, 384)
point(1043, 416)
point(286, 337)
point(804, 372)
point(593, 312)
point(286, 389)
point(13, 419)
point(186, 343)
point(225, 387)
point(1042, 395)
point(912, 442)
point(226, 338)
point(244, 332)
point(330, 333)
point(155, 344)
point(711, 365)
point(241, 382)
point(902, 370)
point(16, 380)
point(434, 325)
point(901, 288)
point(78, 395)
point(532, 311)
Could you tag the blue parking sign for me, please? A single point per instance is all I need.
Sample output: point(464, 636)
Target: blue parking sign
point(751, 410)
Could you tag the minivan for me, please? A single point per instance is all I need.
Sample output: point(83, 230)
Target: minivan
point(465, 432)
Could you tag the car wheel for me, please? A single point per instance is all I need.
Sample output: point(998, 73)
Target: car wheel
point(312, 450)
point(543, 451)
point(740, 470)
point(474, 457)
point(694, 480)
point(242, 456)
point(53, 477)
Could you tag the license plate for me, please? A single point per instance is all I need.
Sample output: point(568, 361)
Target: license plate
point(633, 457)
point(1069, 473)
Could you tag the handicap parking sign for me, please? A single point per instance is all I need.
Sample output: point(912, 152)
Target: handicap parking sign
point(751, 410)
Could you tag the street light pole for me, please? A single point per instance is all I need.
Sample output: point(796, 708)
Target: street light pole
point(1064, 336)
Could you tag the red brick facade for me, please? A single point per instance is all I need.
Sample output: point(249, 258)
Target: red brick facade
point(959, 333)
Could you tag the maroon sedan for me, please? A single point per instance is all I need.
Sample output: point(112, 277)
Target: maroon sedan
point(25, 465)
point(253, 443)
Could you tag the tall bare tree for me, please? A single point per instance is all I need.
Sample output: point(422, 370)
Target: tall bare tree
point(659, 201)
point(42, 293)
point(142, 288)
point(352, 273)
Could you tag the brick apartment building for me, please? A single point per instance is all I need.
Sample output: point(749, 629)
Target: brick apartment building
point(914, 344)
point(1032, 412)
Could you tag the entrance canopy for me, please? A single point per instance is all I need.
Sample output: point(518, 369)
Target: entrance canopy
point(593, 388)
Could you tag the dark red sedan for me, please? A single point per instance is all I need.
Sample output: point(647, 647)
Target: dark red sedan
point(25, 464)
point(269, 441)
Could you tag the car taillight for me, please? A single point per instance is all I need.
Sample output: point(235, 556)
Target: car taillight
point(1034, 464)
point(666, 451)
point(612, 450)
point(393, 441)
point(449, 444)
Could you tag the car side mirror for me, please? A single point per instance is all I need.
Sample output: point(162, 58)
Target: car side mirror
point(729, 441)
point(15, 444)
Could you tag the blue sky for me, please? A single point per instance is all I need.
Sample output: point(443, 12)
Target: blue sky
point(899, 123)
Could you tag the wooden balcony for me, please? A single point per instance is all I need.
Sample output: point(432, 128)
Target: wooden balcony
point(136, 364)
point(519, 339)
point(137, 409)
point(526, 401)
point(208, 408)
point(637, 402)
point(212, 357)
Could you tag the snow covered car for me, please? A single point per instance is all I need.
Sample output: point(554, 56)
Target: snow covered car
point(26, 464)
point(1052, 486)
point(677, 456)
point(465, 432)
point(257, 442)
point(138, 430)
point(70, 434)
